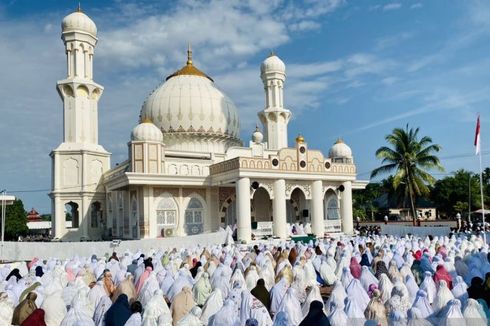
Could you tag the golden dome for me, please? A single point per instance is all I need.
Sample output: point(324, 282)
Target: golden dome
point(300, 139)
point(189, 69)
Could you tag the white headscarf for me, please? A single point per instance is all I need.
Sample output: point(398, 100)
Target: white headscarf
point(6, 309)
point(346, 277)
point(356, 291)
point(412, 287)
point(337, 296)
point(452, 315)
point(460, 289)
point(385, 287)
point(292, 306)
point(367, 278)
point(429, 287)
point(415, 318)
point(313, 295)
point(155, 308)
point(213, 305)
point(444, 295)
point(226, 316)
point(474, 314)
point(354, 312)
point(422, 304)
point(104, 304)
point(278, 292)
point(191, 318)
point(53, 306)
point(327, 273)
point(337, 316)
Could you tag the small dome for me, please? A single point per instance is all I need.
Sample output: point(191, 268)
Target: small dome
point(257, 136)
point(273, 64)
point(300, 139)
point(340, 150)
point(79, 22)
point(146, 131)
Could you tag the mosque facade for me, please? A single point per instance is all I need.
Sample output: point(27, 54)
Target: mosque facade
point(188, 171)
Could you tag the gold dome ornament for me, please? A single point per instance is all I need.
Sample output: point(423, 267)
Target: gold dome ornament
point(300, 139)
point(189, 69)
point(339, 141)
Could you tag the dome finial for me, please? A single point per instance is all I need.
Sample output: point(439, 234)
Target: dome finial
point(189, 54)
point(272, 53)
point(300, 139)
point(79, 8)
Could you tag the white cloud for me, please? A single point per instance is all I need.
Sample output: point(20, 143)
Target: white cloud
point(392, 6)
point(417, 5)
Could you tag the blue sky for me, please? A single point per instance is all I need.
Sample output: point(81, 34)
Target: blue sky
point(355, 69)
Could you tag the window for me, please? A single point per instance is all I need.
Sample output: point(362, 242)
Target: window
point(166, 214)
point(332, 208)
point(194, 216)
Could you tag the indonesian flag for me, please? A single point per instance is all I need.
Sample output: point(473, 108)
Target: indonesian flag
point(477, 136)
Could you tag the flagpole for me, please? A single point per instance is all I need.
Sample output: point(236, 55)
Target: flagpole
point(482, 202)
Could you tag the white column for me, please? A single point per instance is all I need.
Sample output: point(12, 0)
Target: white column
point(317, 224)
point(346, 209)
point(58, 228)
point(243, 210)
point(279, 209)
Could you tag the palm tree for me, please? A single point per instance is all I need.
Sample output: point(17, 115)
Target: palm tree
point(409, 159)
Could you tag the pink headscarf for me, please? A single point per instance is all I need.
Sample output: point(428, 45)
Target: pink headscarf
point(32, 263)
point(143, 278)
point(70, 276)
point(355, 268)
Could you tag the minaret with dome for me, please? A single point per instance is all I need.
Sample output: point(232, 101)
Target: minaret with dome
point(187, 170)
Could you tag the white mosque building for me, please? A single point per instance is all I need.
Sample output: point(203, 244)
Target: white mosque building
point(187, 170)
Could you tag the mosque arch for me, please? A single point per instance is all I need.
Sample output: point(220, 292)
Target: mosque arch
point(195, 214)
point(261, 206)
point(299, 205)
point(228, 211)
point(331, 205)
point(72, 214)
point(166, 214)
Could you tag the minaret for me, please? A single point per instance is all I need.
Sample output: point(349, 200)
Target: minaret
point(274, 117)
point(79, 161)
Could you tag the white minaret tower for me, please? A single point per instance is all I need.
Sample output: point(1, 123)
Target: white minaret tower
point(79, 161)
point(274, 117)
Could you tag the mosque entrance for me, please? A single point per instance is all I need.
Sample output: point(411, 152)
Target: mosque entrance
point(331, 212)
point(261, 206)
point(299, 209)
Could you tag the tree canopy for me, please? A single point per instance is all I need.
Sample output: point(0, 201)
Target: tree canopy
point(410, 159)
point(15, 220)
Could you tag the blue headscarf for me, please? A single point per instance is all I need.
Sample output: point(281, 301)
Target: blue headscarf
point(119, 313)
point(425, 264)
point(281, 319)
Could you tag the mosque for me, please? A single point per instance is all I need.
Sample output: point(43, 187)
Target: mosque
point(187, 170)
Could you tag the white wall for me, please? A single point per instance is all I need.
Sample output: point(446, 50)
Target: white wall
point(17, 251)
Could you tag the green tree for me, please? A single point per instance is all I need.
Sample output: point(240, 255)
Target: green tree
point(410, 158)
point(15, 220)
point(458, 187)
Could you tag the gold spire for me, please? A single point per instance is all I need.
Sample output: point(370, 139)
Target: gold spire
point(300, 139)
point(79, 8)
point(189, 54)
point(339, 141)
point(189, 69)
point(146, 120)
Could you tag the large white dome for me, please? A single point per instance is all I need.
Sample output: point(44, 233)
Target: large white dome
point(79, 22)
point(340, 150)
point(192, 113)
point(146, 131)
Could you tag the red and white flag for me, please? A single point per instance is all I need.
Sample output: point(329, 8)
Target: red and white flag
point(477, 136)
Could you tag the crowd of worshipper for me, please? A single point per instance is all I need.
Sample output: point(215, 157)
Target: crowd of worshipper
point(376, 280)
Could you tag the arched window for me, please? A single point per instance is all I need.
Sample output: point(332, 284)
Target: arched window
point(166, 214)
point(95, 215)
point(194, 216)
point(332, 207)
point(71, 215)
